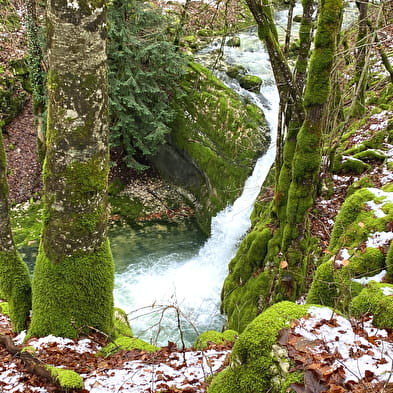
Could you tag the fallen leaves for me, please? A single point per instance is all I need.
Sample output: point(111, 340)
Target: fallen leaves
point(326, 369)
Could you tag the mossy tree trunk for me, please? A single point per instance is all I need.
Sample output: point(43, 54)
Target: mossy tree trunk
point(14, 276)
point(74, 273)
point(272, 261)
point(358, 106)
point(37, 74)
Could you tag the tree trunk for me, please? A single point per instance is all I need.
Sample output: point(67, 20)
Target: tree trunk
point(74, 273)
point(37, 75)
point(271, 262)
point(14, 275)
point(307, 158)
point(358, 105)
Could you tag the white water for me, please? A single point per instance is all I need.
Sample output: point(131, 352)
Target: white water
point(193, 284)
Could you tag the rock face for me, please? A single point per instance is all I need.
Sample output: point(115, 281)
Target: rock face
point(215, 141)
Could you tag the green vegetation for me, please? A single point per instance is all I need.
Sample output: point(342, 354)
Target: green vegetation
point(216, 129)
point(375, 299)
point(90, 276)
point(214, 337)
point(127, 343)
point(67, 379)
point(254, 367)
point(144, 72)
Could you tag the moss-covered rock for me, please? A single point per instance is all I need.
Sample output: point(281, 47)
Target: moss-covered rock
point(235, 71)
point(357, 248)
point(127, 343)
point(234, 41)
point(349, 164)
point(377, 300)
point(257, 364)
point(250, 82)
point(215, 337)
point(216, 139)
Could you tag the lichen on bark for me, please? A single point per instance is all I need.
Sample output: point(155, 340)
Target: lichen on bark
point(73, 278)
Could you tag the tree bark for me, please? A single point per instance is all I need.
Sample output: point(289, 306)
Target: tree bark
point(307, 158)
point(74, 273)
point(32, 364)
point(14, 276)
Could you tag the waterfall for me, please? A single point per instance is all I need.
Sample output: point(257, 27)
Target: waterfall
point(185, 289)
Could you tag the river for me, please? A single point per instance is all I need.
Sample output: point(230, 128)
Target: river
point(170, 278)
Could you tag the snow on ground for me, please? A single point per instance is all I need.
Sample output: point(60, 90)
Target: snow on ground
point(359, 350)
point(180, 370)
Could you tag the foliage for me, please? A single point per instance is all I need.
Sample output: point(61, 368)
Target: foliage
point(144, 70)
point(253, 366)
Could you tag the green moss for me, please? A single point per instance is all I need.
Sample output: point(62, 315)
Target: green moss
point(115, 187)
point(80, 286)
point(349, 164)
point(208, 337)
point(222, 135)
point(332, 284)
point(252, 366)
point(250, 82)
point(373, 300)
point(352, 211)
point(230, 335)
point(214, 337)
point(129, 209)
point(127, 343)
point(67, 379)
point(370, 155)
point(324, 289)
point(5, 308)
point(29, 349)
point(121, 324)
point(15, 288)
point(363, 182)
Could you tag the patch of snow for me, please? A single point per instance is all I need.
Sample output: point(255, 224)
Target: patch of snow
point(379, 239)
point(138, 377)
point(81, 346)
point(339, 336)
point(377, 207)
point(387, 291)
point(365, 280)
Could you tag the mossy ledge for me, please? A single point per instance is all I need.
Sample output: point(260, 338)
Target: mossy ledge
point(215, 140)
point(255, 366)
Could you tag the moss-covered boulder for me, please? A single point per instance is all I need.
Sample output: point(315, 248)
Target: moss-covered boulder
point(377, 300)
point(358, 247)
point(250, 82)
point(234, 41)
point(214, 337)
point(257, 363)
point(235, 71)
point(215, 141)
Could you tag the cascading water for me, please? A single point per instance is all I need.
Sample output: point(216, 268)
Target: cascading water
point(155, 288)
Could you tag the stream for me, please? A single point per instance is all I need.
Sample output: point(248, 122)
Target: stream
point(170, 279)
